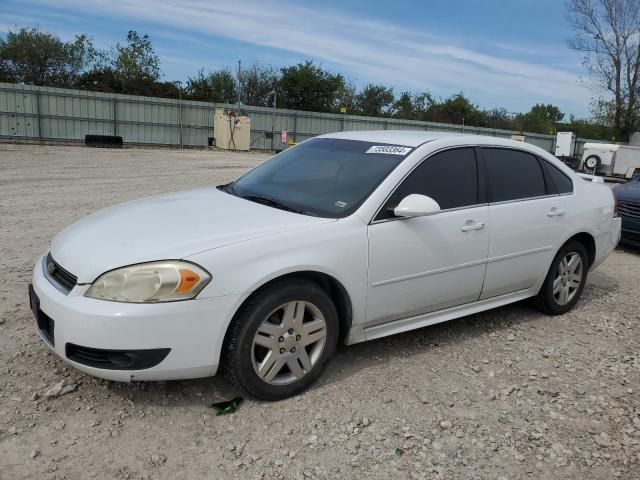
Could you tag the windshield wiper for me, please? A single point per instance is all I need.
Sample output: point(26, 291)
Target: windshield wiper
point(270, 202)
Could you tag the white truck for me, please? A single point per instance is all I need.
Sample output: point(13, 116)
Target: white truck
point(610, 160)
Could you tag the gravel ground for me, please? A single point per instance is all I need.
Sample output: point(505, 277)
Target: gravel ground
point(506, 394)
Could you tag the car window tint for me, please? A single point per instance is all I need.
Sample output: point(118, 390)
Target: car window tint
point(449, 177)
point(562, 182)
point(327, 177)
point(513, 174)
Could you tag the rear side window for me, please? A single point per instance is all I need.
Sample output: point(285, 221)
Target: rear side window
point(512, 174)
point(449, 177)
point(560, 180)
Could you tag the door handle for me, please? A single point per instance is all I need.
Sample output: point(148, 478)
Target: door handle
point(467, 227)
point(555, 212)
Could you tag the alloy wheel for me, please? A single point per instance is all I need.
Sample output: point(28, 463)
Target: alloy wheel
point(289, 343)
point(568, 278)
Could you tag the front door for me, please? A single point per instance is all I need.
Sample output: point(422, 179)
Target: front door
point(422, 264)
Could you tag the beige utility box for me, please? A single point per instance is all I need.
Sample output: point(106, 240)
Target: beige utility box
point(231, 132)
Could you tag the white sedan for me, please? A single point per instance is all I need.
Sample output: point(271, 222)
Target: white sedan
point(344, 238)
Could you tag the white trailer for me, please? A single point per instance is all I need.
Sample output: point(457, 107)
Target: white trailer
point(610, 160)
point(565, 145)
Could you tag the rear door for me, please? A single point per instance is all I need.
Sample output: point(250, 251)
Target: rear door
point(527, 221)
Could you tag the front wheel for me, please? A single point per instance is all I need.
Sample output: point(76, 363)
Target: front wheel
point(565, 281)
point(281, 339)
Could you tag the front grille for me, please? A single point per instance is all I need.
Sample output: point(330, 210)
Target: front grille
point(46, 325)
point(58, 275)
point(630, 237)
point(629, 210)
point(116, 359)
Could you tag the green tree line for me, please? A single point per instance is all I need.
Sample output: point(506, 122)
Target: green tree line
point(34, 57)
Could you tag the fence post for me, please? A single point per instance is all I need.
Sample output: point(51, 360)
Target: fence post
point(295, 128)
point(39, 116)
point(180, 113)
point(115, 118)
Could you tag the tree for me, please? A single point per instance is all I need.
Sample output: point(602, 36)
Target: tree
point(132, 68)
point(136, 60)
point(39, 58)
point(404, 107)
point(257, 84)
point(423, 104)
point(306, 86)
point(346, 97)
point(498, 118)
point(607, 33)
point(456, 109)
point(414, 106)
point(588, 129)
point(540, 119)
point(374, 101)
point(107, 80)
point(100, 79)
point(217, 87)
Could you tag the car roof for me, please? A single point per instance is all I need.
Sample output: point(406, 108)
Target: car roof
point(415, 138)
point(407, 138)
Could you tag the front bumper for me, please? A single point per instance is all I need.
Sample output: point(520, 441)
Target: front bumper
point(192, 330)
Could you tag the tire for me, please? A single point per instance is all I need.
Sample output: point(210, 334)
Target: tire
point(560, 279)
point(592, 162)
point(266, 353)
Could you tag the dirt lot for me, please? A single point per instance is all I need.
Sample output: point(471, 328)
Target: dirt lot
point(505, 394)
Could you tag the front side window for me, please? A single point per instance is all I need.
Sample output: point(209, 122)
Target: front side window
point(449, 177)
point(513, 175)
point(324, 177)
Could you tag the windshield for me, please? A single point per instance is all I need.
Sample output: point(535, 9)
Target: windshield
point(325, 177)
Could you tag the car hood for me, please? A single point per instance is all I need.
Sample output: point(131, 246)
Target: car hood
point(629, 191)
point(171, 226)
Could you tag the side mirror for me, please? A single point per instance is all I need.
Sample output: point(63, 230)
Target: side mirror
point(415, 205)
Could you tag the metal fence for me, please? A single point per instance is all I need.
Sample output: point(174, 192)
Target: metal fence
point(54, 114)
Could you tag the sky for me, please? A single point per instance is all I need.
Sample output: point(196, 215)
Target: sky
point(500, 53)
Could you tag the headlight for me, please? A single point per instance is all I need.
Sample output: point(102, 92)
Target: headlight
point(152, 282)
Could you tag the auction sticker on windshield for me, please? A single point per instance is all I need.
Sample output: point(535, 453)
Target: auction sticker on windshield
point(389, 149)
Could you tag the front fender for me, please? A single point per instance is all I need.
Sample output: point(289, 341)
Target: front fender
point(337, 249)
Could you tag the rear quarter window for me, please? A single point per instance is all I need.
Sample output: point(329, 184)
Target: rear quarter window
point(561, 181)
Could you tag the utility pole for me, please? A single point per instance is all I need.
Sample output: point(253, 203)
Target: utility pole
point(179, 85)
point(238, 93)
point(273, 119)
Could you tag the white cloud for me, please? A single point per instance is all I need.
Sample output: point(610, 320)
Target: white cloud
point(371, 49)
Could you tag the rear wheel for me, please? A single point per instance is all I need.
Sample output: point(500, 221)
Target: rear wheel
point(565, 281)
point(281, 339)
